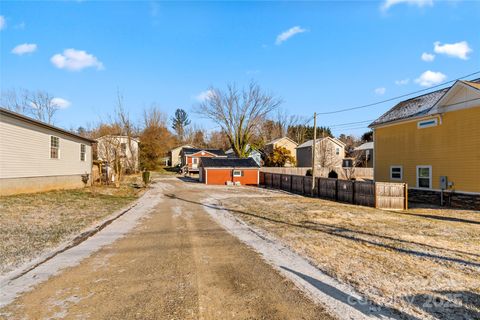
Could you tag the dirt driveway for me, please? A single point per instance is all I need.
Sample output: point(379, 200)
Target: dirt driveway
point(176, 264)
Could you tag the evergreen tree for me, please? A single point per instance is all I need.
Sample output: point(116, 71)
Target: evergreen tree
point(179, 122)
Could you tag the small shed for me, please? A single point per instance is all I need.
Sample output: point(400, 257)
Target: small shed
point(221, 171)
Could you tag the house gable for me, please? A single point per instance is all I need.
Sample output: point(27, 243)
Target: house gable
point(460, 96)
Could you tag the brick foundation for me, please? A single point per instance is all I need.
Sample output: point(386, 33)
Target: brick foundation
point(452, 199)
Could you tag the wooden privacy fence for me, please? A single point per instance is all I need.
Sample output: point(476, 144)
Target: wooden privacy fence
point(382, 195)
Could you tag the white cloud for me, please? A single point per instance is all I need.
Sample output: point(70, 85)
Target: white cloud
point(61, 103)
point(430, 78)
point(284, 36)
point(75, 60)
point(380, 91)
point(428, 57)
point(402, 82)
point(20, 26)
point(458, 50)
point(24, 48)
point(3, 23)
point(387, 4)
point(252, 72)
point(204, 95)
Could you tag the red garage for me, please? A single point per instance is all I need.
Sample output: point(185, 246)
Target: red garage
point(223, 171)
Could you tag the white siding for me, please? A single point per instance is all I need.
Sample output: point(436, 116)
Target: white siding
point(106, 146)
point(25, 151)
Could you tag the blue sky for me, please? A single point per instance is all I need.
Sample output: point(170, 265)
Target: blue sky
point(318, 56)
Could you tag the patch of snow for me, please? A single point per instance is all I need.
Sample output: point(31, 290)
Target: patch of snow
point(338, 298)
point(10, 289)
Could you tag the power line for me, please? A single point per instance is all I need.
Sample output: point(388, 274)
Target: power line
point(352, 128)
point(397, 97)
point(348, 123)
point(447, 105)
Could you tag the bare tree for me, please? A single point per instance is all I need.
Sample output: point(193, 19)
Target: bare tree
point(239, 113)
point(129, 130)
point(326, 154)
point(42, 106)
point(38, 104)
point(356, 159)
point(14, 101)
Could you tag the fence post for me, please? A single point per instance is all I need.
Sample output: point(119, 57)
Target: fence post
point(336, 189)
point(375, 195)
point(303, 185)
point(405, 195)
point(353, 192)
point(291, 182)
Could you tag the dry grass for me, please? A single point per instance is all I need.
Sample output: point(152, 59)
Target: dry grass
point(424, 261)
point(34, 223)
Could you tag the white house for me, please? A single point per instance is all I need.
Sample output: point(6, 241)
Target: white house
point(175, 155)
point(254, 154)
point(110, 146)
point(329, 153)
point(35, 156)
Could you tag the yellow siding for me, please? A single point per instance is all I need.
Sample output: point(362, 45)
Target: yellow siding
point(451, 148)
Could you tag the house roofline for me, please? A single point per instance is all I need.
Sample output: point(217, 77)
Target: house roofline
point(18, 116)
point(258, 168)
point(278, 139)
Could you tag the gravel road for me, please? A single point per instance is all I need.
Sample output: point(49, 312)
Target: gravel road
point(176, 263)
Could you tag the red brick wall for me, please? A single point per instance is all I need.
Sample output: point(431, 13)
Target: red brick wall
point(221, 176)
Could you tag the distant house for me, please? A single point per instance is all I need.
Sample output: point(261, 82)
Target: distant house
point(191, 157)
point(329, 153)
point(174, 154)
point(284, 142)
point(35, 156)
point(254, 154)
point(221, 171)
point(364, 155)
point(432, 142)
point(111, 146)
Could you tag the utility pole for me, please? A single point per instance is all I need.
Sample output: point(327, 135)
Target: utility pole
point(314, 144)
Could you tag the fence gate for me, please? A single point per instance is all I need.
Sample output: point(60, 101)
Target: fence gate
point(391, 196)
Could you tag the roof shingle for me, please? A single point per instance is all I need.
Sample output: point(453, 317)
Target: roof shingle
point(228, 163)
point(415, 107)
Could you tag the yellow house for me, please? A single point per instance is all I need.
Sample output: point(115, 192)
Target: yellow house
point(284, 142)
point(432, 142)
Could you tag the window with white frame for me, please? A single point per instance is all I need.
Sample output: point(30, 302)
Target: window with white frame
point(54, 147)
point(424, 177)
point(337, 151)
point(427, 123)
point(237, 173)
point(83, 152)
point(396, 172)
point(195, 160)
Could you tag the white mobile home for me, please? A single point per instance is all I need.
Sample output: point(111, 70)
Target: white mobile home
point(35, 156)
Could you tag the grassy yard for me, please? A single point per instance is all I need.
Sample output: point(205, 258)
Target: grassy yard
point(425, 261)
point(34, 223)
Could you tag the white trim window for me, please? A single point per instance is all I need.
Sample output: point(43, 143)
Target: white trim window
point(396, 172)
point(424, 177)
point(194, 160)
point(237, 173)
point(83, 152)
point(54, 147)
point(427, 123)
